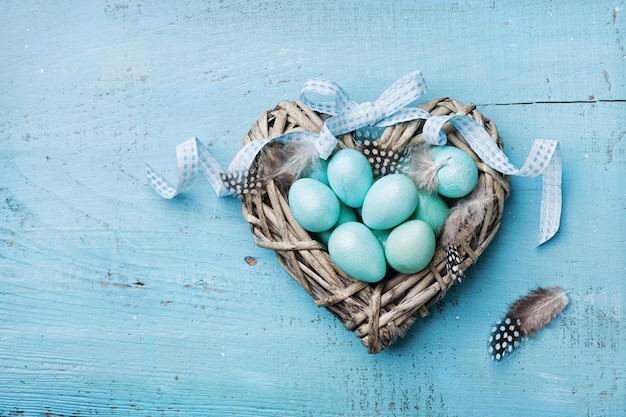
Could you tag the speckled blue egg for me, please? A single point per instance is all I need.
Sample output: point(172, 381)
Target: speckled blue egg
point(350, 176)
point(346, 214)
point(313, 204)
point(410, 246)
point(357, 251)
point(389, 202)
point(459, 175)
point(432, 209)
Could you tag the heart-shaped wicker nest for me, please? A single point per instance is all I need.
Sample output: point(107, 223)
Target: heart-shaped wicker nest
point(377, 313)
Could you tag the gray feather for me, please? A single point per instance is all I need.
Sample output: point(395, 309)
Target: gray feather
point(286, 163)
point(421, 168)
point(525, 317)
point(538, 308)
point(464, 218)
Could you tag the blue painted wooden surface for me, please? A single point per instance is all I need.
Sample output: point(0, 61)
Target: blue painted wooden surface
point(114, 301)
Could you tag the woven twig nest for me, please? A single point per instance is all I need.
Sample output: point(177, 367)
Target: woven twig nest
point(377, 313)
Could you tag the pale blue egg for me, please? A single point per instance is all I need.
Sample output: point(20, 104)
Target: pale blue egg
point(357, 251)
point(346, 214)
point(317, 171)
point(350, 176)
point(432, 209)
point(458, 175)
point(382, 235)
point(410, 246)
point(313, 204)
point(389, 202)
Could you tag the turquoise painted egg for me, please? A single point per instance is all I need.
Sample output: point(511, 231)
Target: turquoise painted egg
point(350, 176)
point(382, 235)
point(458, 175)
point(313, 204)
point(346, 214)
point(410, 246)
point(432, 209)
point(389, 202)
point(317, 171)
point(357, 251)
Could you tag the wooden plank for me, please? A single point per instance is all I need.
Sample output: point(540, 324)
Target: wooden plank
point(114, 301)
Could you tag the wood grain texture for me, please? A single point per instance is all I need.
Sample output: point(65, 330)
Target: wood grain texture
point(113, 301)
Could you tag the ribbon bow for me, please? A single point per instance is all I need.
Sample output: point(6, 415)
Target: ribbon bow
point(348, 115)
point(389, 109)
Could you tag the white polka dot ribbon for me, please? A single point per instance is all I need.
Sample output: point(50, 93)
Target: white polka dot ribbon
point(389, 109)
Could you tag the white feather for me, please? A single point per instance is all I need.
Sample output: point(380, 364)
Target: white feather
point(421, 168)
point(287, 163)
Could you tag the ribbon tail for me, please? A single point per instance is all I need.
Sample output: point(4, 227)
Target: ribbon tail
point(211, 170)
point(551, 198)
point(192, 156)
point(159, 184)
point(543, 158)
point(187, 161)
point(484, 146)
point(244, 158)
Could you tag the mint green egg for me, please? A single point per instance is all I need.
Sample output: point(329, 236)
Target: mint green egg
point(382, 235)
point(357, 251)
point(432, 209)
point(313, 204)
point(389, 202)
point(458, 176)
point(350, 176)
point(317, 171)
point(346, 214)
point(410, 246)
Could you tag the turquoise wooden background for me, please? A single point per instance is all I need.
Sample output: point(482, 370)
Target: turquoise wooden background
point(114, 301)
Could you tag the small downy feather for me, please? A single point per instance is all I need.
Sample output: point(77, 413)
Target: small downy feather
point(421, 168)
point(281, 163)
point(287, 163)
point(463, 219)
point(526, 317)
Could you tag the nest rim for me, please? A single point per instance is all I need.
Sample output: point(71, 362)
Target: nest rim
point(379, 313)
